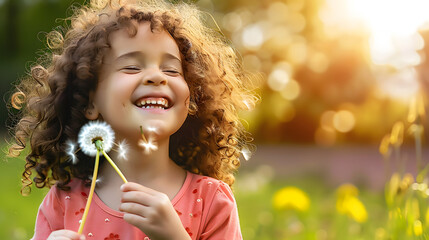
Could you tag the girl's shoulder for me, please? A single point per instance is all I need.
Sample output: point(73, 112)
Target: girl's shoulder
point(58, 203)
point(207, 208)
point(209, 184)
point(77, 190)
point(199, 188)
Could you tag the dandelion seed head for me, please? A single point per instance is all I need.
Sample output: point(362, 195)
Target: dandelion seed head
point(71, 150)
point(92, 131)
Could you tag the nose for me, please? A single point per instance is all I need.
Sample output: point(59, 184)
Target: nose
point(154, 77)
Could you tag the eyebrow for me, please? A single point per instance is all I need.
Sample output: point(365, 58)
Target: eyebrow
point(170, 56)
point(134, 54)
point(137, 54)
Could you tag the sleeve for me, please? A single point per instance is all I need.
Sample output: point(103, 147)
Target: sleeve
point(50, 216)
point(222, 219)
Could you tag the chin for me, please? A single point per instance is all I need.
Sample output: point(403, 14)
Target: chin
point(157, 129)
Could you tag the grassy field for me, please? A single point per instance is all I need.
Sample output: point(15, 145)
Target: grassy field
point(17, 213)
point(254, 192)
point(321, 220)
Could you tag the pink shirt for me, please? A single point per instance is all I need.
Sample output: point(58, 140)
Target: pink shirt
point(206, 207)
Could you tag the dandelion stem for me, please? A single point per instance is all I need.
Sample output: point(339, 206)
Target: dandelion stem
point(143, 137)
point(114, 166)
point(91, 192)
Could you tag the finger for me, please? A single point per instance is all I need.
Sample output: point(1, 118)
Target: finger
point(67, 234)
point(131, 186)
point(133, 208)
point(137, 197)
point(135, 220)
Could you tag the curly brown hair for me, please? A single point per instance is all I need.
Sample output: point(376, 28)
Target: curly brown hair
point(53, 97)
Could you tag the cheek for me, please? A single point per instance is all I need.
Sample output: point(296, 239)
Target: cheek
point(187, 95)
point(187, 100)
point(182, 92)
point(112, 97)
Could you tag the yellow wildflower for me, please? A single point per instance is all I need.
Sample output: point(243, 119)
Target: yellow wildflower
point(417, 228)
point(291, 198)
point(406, 182)
point(392, 188)
point(348, 203)
point(417, 108)
point(352, 207)
point(347, 189)
point(397, 187)
point(384, 146)
point(397, 135)
point(416, 129)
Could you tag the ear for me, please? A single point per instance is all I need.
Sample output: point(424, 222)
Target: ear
point(91, 112)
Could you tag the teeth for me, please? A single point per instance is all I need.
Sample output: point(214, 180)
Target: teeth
point(153, 103)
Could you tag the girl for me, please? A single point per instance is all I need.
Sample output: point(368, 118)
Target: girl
point(135, 64)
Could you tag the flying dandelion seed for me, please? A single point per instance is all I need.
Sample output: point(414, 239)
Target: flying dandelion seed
point(71, 151)
point(123, 149)
point(248, 105)
point(151, 129)
point(148, 146)
point(98, 181)
point(246, 153)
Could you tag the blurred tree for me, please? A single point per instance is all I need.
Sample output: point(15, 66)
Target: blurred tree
point(24, 25)
point(11, 27)
point(308, 75)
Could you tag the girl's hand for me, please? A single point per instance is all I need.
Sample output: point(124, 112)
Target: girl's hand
point(65, 235)
point(152, 212)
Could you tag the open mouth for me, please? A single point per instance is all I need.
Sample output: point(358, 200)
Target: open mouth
point(152, 102)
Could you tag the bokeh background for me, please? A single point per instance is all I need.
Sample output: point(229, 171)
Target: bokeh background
point(335, 78)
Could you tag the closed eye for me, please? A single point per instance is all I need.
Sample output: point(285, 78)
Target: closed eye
point(172, 72)
point(130, 69)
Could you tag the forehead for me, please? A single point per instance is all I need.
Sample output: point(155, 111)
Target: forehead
point(159, 41)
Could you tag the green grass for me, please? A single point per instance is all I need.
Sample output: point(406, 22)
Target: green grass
point(258, 218)
point(17, 213)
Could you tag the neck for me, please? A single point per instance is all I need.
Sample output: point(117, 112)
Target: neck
point(142, 166)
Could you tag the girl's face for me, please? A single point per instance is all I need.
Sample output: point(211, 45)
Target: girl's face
point(141, 83)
